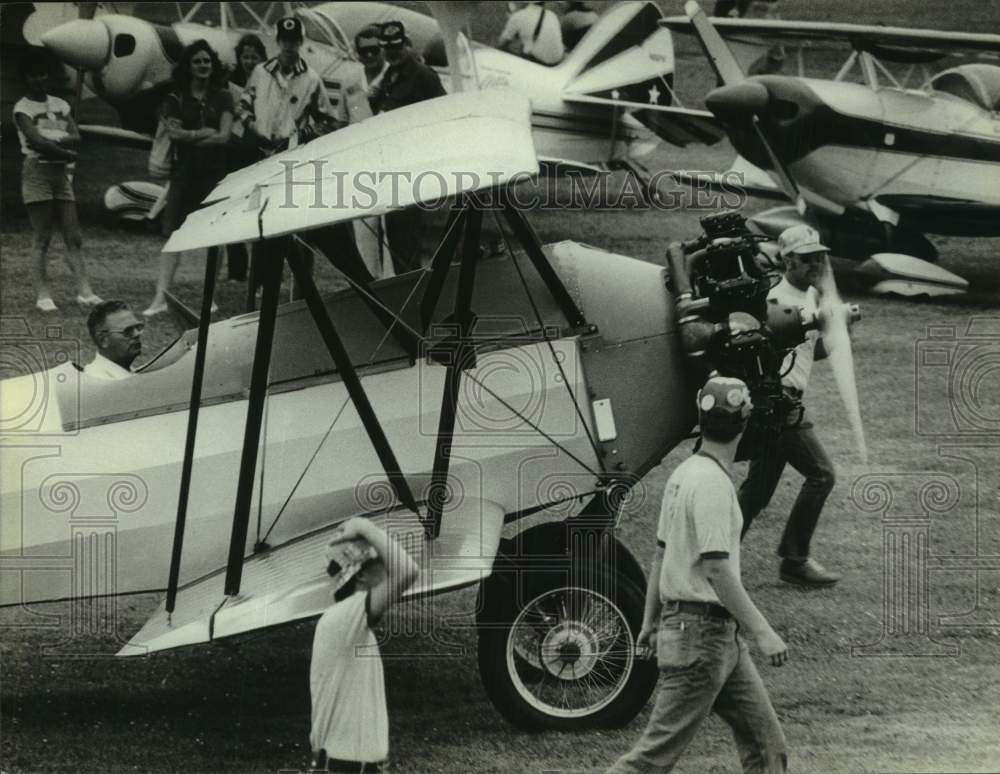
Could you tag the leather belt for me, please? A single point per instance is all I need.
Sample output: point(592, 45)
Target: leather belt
point(705, 609)
point(322, 763)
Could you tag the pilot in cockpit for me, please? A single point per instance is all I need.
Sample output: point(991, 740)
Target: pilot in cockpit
point(117, 334)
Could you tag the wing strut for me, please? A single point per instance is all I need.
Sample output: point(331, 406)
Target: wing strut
point(336, 243)
point(345, 368)
point(192, 428)
point(461, 355)
point(440, 263)
point(270, 265)
point(525, 234)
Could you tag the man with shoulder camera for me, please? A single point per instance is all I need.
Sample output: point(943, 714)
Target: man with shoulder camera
point(796, 444)
point(696, 606)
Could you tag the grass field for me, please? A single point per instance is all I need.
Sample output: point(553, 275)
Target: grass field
point(924, 703)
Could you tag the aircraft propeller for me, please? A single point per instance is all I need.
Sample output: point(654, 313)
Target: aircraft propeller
point(736, 92)
point(834, 319)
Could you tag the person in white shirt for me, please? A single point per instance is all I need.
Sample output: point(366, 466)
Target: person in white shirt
point(805, 259)
point(49, 140)
point(697, 611)
point(117, 333)
point(350, 725)
point(533, 32)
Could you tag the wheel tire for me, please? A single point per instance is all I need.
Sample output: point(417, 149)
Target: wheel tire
point(587, 627)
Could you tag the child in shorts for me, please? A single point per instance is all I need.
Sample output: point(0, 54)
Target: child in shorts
point(49, 138)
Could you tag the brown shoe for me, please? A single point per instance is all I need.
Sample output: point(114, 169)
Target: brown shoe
point(808, 573)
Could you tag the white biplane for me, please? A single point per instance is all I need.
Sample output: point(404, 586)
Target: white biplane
point(448, 404)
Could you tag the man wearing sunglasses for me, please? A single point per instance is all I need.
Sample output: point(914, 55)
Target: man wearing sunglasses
point(366, 45)
point(117, 333)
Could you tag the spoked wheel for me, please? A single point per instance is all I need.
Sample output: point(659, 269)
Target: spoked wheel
point(567, 658)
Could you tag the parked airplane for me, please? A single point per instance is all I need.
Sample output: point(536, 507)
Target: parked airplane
point(448, 403)
point(874, 165)
point(592, 111)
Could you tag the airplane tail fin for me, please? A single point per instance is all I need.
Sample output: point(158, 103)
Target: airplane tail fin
point(625, 56)
point(626, 61)
point(719, 55)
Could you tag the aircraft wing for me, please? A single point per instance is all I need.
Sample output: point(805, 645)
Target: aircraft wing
point(421, 153)
point(742, 178)
point(860, 36)
point(677, 125)
point(289, 583)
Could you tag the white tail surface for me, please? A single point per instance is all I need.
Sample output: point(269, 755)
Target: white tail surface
point(626, 55)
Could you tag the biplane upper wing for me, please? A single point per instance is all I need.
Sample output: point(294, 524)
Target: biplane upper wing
point(862, 37)
point(421, 153)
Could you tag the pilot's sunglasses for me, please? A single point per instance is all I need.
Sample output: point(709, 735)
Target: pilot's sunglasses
point(368, 51)
point(130, 331)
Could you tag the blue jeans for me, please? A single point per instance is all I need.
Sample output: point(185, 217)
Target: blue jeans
point(705, 667)
point(800, 448)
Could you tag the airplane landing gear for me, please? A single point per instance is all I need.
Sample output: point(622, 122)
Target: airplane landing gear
point(557, 642)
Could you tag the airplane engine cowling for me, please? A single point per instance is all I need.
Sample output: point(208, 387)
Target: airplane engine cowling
point(135, 49)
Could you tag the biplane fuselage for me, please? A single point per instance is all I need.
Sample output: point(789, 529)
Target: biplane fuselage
point(89, 480)
point(931, 156)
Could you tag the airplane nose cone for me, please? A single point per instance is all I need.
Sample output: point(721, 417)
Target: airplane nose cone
point(738, 100)
point(82, 43)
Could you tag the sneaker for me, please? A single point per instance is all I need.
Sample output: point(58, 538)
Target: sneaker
point(46, 305)
point(92, 300)
point(154, 309)
point(808, 573)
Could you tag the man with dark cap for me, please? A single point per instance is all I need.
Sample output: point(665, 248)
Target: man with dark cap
point(406, 81)
point(697, 608)
point(285, 101)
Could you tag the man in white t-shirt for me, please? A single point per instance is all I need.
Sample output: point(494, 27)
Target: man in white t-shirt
point(117, 333)
point(533, 32)
point(350, 724)
point(694, 601)
point(805, 259)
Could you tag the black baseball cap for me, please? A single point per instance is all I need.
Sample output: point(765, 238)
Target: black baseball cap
point(290, 28)
point(393, 34)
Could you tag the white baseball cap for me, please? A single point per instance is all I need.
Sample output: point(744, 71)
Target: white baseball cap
point(801, 240)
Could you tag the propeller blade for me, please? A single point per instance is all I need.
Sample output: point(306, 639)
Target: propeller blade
point(453, 17)
point(833, 314)
point(719, 54)
point(87, 10)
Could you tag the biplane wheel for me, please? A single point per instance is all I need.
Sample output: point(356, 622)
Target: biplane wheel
point(566, 659)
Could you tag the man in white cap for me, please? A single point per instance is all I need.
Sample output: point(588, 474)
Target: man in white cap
point(696, 607)
point(805, 259)
point(350, 725)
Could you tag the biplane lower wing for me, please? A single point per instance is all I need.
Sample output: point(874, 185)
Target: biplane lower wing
point(289, 583)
